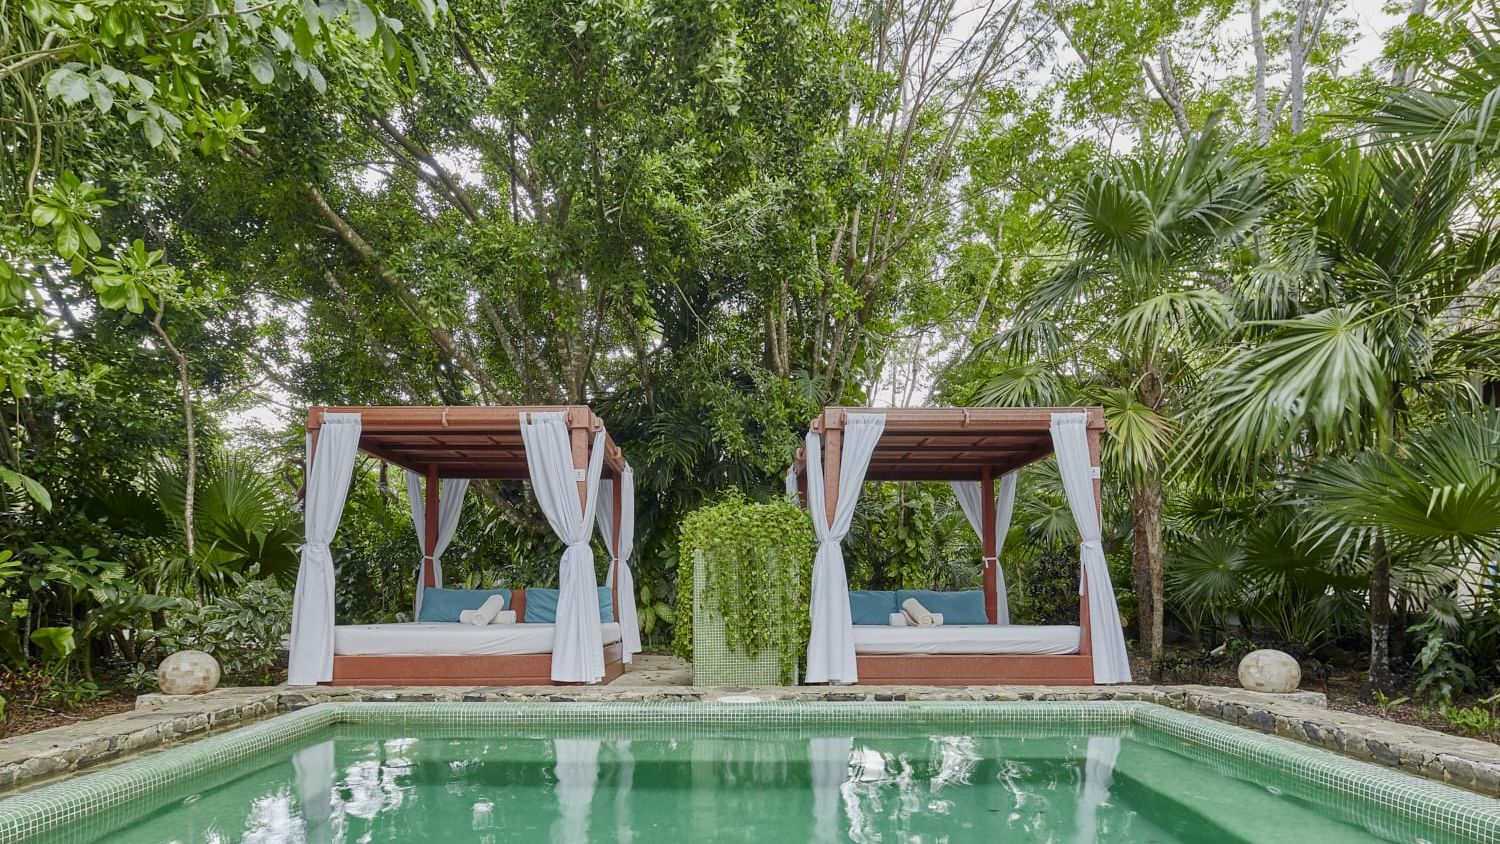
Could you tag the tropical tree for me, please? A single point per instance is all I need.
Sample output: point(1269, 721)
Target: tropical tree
point(1126, 317)
point(1374, 306)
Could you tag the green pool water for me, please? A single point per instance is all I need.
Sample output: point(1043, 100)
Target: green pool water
point(947, 778)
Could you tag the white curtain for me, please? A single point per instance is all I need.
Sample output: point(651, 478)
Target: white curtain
point(311, 659)
point(578, 645)
point(830, 650)
point(619, 568)
point(450, 505)
point(970, 495)
point(1071, 442)
point(791, 482)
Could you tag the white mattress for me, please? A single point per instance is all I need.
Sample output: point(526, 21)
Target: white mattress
point(966, 639)
point(450, 638)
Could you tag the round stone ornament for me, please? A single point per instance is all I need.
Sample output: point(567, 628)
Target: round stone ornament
point(1270, 671)
point(187, 673)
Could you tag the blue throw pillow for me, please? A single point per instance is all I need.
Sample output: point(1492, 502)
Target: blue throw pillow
point(606, 605)
point(446, 604)
point(868, 607)
point(956, 607)
point(541, 606)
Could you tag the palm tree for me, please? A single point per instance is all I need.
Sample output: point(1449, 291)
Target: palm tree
point(1371, 294)
point(1126, 317)
point(1458, 106)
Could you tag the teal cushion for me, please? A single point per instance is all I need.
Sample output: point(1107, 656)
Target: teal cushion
point(606, 605)
point(956, 607)
point(541, 606)
point(446, 604)
point(868, 607)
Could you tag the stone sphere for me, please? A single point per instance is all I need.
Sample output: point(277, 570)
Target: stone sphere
point(1270, 671)
point(187, 673)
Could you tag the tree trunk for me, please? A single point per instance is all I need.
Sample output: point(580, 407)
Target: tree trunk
point(183, 380)
point(1146, 565)
point(1380, 626)
point(1297, 58)
point(1262, 111)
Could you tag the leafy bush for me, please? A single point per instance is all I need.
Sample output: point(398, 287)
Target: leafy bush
point(1049, 592)
point(243, 629)
point(758, 566)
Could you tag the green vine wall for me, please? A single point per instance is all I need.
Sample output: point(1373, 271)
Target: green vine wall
point(758, 561)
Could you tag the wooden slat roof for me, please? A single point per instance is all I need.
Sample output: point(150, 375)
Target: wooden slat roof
point(461, 442)
point(954, 443)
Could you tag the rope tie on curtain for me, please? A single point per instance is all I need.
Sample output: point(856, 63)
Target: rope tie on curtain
point(1092, 543)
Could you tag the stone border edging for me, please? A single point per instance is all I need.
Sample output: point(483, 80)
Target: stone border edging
point(162, 720)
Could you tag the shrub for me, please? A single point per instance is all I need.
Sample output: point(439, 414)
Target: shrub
point(243, 629)
point(758, 574)
point(1049, 591)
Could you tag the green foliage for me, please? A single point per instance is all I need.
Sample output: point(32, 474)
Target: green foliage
point(1480, 721)
point(57, 644)
point(758, 573)
point(243, 629)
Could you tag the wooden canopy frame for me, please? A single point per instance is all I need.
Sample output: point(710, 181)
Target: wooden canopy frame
point(961, 444)
point(478, 443)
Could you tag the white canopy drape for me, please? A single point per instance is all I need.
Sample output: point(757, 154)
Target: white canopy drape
point(578, 645)
point(332, 467)
point(830, 650)
point(619, 567)
point(450, 505)
point(1071, 443)
point(970, 495)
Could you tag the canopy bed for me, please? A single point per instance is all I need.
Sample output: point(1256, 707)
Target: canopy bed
point(577, 633)
point(975, 644)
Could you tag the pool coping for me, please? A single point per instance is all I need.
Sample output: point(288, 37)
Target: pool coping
point(162, 721)
point(1348, 781)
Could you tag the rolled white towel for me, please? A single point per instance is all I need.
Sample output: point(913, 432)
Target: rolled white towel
point(898, 619)
point(504, 617)
point(485, 613)
point(937, 619)
point(917, 613)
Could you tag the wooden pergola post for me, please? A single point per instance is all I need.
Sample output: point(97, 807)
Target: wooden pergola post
point(988, 542)
point(833, 460)
point(1085, 638)
point(430, 528)
point(614, 561)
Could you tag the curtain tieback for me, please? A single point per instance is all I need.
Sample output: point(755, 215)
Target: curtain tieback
point(995, 560)
point(1092, 543)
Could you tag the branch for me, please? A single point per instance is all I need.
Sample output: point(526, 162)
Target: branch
point(1167, 92)
point(439, 335)
point(455, 190)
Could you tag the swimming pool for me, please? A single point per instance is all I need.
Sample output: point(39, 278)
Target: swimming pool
point(765, 772)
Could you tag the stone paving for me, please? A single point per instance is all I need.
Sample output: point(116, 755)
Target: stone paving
point(162, 720)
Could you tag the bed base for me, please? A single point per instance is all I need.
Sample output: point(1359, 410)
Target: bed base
point(470, 670)
point(975, 669)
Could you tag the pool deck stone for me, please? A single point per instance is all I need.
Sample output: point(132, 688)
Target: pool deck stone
point(163, 720)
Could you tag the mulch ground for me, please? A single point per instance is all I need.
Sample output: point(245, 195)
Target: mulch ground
point(21, 718)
